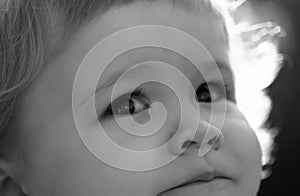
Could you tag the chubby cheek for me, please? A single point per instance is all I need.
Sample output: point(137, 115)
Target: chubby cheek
point(242, 143)
point(58, 163)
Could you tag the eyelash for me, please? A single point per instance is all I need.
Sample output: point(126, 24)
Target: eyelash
point(140, 95)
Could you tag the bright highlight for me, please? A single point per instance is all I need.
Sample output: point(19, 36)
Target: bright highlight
point(255, 62)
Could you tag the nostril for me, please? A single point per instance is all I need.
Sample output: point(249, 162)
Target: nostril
point(187, 143)
point(212, 140)
point(215, 142)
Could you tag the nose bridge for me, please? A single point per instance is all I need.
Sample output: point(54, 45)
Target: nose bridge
point(195, 129)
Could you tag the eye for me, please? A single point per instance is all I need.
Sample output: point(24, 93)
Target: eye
point(210, 94)
point(128, 104)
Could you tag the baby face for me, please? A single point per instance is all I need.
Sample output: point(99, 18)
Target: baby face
point(57, 162)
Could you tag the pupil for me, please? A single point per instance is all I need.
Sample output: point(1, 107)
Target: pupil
point(206, 97)
point(203, 94)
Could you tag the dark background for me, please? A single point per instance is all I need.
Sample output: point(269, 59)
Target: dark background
point(285, 93)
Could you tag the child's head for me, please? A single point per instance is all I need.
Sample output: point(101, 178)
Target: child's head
point(43, 43)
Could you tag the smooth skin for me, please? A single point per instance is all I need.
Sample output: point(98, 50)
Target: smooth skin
point(49, 158)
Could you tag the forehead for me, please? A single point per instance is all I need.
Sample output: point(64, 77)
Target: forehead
point(203, 24)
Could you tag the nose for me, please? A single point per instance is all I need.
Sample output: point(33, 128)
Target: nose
point(205, 136)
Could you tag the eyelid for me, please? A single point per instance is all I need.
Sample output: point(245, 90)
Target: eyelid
point(226, 82)
point(223, 89)
point(224, 85)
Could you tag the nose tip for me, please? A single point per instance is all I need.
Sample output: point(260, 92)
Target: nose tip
point(213, 140)
point(206, 138)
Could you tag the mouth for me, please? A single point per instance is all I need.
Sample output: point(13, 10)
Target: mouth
point(206, 180)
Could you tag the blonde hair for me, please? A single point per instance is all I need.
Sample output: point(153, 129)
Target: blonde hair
point(31, 30)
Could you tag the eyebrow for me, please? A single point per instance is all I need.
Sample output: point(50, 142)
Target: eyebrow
point(115, 75)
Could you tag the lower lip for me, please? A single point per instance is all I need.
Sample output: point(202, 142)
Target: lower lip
point(201, 188)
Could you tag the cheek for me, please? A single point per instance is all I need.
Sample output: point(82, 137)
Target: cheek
point(58, 163)
point(241, 142)
point(131, 141)
point(241, 135)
